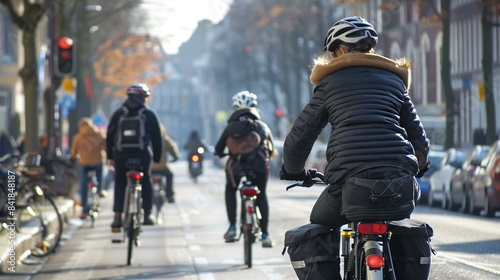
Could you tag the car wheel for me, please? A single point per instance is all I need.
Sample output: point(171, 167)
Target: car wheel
point(430, 200)
point(472, 207)
point(465, 200)
point(489, 212)
point(444, 199)
point(451, 205)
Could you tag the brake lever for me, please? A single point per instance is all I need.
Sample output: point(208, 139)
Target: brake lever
point(295, 185)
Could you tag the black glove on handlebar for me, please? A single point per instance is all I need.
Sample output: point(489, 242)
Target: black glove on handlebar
point(293, 177)
point(423, 170)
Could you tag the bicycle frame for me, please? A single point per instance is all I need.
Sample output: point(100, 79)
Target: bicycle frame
point(92, 196)
point(132, 212)
point(365, 245)
point(369, 255)
point(250, 217)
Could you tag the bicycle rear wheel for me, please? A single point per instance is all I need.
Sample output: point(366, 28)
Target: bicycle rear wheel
point(248, 240)
point(93, 207)
point(41, 212)
point(131, 238)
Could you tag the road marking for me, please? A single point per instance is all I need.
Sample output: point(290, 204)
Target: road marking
point(203, 275)
point(194, 248)
point(270, 273)
point(464, 261)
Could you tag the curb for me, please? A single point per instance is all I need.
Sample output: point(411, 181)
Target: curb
point(15, 246)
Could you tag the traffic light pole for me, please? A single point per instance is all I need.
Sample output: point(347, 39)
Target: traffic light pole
point(52, 133)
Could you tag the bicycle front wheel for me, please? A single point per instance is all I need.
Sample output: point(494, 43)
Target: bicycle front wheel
point(41, 212)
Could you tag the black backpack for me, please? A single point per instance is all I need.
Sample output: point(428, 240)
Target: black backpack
point(131, 130)
point(244, 136)
point(411, 249)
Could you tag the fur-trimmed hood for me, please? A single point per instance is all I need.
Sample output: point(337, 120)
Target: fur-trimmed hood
point(400, 67)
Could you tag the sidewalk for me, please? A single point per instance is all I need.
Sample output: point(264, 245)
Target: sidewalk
point(15, 246)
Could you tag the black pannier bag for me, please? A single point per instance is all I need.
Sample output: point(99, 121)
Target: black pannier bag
point(313, 251)
point(411, 249)
point(377, 199)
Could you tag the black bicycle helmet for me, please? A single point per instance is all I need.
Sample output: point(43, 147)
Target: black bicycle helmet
point(354, 32)
point(139, 89)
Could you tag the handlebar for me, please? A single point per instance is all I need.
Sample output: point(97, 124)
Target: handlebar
point(315, 177)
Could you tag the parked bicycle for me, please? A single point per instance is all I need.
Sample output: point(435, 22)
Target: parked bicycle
point(132, 208)
point(365, 249)
point(33, 207)
point(93, 199)
point(250, 217)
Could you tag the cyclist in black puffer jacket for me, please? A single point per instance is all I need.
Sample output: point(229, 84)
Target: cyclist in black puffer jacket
point(376, 132)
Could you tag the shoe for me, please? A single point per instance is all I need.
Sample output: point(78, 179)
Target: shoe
point(149, 220)
point(84, 216)
point(267, 242)
point(116, 224)
point(230, 234)
point(103, 193)
point(171, 199)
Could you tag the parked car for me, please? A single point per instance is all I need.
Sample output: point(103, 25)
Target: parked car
point(276, 162)
point(458, 200)
point(317, 157)
point(435, 157)
point(440, 180)
point(485, 191)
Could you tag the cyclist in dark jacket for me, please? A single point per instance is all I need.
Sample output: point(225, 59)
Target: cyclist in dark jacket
point(137, 95)
point(376, 132)
point(245, 104)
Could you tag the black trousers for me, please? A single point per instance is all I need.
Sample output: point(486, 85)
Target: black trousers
point(328, 207)
point(262, 203)
point(121, 179)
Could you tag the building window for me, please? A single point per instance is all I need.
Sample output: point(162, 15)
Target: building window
point(9, 38)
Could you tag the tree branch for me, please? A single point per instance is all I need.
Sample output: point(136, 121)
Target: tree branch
point(16, 18)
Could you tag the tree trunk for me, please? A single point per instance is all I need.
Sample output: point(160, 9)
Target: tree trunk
point(491, 127)
point(446, 77)
point(29, 77)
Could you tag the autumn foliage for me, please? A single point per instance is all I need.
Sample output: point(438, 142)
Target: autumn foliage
point(122, 61)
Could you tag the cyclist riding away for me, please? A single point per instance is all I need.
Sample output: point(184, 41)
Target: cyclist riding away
point(257, 161)
point(89, 148)
point(131, 129)
point(376, 131)
point(162, 167)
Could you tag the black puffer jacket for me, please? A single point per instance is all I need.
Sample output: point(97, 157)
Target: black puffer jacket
point(374, 123)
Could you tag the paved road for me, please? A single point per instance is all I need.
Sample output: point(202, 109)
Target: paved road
point(189, 244)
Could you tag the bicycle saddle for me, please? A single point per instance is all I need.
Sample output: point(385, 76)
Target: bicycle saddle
point(134, 164)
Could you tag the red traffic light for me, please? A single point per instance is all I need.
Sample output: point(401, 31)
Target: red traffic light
point(65, 43)
point(65, 60)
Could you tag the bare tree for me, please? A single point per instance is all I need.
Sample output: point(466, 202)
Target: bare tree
point(27, 17)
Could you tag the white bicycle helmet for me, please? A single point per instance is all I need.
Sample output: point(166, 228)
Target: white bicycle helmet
point(244, 99)
point(139, 89)
point(354, 32)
